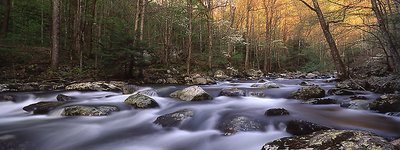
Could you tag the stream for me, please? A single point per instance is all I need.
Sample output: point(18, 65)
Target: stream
point(133, 129)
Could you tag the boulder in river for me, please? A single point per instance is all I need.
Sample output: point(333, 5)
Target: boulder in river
point(174, 119)
point(234, 124)
point(232, 92)
point(141, 101)
point(305, 83)
point(321, 101)
point(43, 107)
point(356, 104)
point(276, 112)
point(89, 110)
point(266, 85)
point(300, 127)
point(63, 98)
point(306, 93)
point(386, 103)
point(192, 93)
point(13, 142)
point(129, 89)
point(92, 86)
point(332, 139)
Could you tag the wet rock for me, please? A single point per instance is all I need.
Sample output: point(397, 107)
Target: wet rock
point(257, 94)
point(63, 98)
point(92, 86)
point(7, 98)
point(300, 127)
point(309, 92)
point(12, 142)
point(395, 114)
point(341, 92)
point(358, 97)
point(234, 124)
point(219, 74)
point(149, 92)
point(386, 103)
point(89, 110)
point(276, 112)
point(141, 101)
point(129, 89)
point(174, 119)
point(193, 93)
point(332, 139)
point(356, 104)
point(232, 92)
point(305, 83)
point(396, 143)
point(321, 101)
point(267, 85)
point(42, 107)
point(311, 76)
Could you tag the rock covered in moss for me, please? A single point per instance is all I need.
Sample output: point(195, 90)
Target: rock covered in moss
point(141, 101)
point(276, 112)
point(92, 86)
point(233, 124)
point(63, 98)
point(89, 110)
point(266, 85)
point(232, 92)
point(386, 103)
point(332, 139)
point(174, 119)
point(306, 93)
point(193, 93)
point(43, 107)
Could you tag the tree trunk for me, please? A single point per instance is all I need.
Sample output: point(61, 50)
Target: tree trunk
point(339, 65)
point(386, 35)
point(5, 23)
point(230, 44)
point(210, 33)
point(189, 44)
point(246, 61)
point(55, 34)
point(77, 33)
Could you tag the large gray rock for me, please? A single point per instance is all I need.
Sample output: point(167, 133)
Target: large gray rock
point(63, 98)
point(234, 124)
point(92, 86)
point(300, 127)
point(306, 93)
point(42, 107)
point(89, 110)
point(267, 85)
point(174, 119)
point(141, 101)
point(232, 92)
point(386, 103)
point(276, 112)
point(332, 139)
point(193, 93)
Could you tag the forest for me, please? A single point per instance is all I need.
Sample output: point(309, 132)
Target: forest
point(199, 74)
point(123, 39)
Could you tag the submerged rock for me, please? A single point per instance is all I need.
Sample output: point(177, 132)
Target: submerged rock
point(356, 104)
point(42, 107)
point(232, 92)
point(340, 92)
point(305, 83)
point(7, 98)
point(321, 101)
point(89, 110)
point(234, 124)
point(300, 127)
point(276, 112)
point(12, 142)
point(386, 103)
point(174, 119)
point(306, 93)
point(193, 93)
point(358, 97)
point(63, 98)
point(149, 92)
point(141, 101)
point(267, 85)
point(257, 93)
point(332, 139)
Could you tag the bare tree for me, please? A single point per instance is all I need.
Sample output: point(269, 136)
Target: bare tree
point(189, 44)
point(247, 36)
point(55, 34)
point(339, 65)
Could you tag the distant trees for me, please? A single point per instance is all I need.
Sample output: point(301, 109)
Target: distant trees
point(6, 18)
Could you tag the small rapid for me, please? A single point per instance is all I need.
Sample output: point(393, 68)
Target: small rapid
point(132, 128)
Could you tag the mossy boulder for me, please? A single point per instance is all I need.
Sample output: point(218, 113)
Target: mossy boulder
point(321, 101)
point(267, 85)
point(89, 110)
point(386, 103)
point(93, 86)
point(306, 93)
point(43, 107)
point(174, 119)
point(300, 127)
point(232, 92)
point(276, 112)
point(332, 139)
point(141, 101)
point(193, 93)
point(233, 124)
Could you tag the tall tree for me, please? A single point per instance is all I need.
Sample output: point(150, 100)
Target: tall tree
point(339, 65)
point(55, 34)
point(6, 20)
point(189, 44)
point(210, 18)
point(384, 28)
point(247, 36)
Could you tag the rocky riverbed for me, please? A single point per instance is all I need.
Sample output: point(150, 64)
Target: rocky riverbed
point(268, 113)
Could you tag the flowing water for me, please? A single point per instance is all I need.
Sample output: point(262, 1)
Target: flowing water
point(132, 129)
